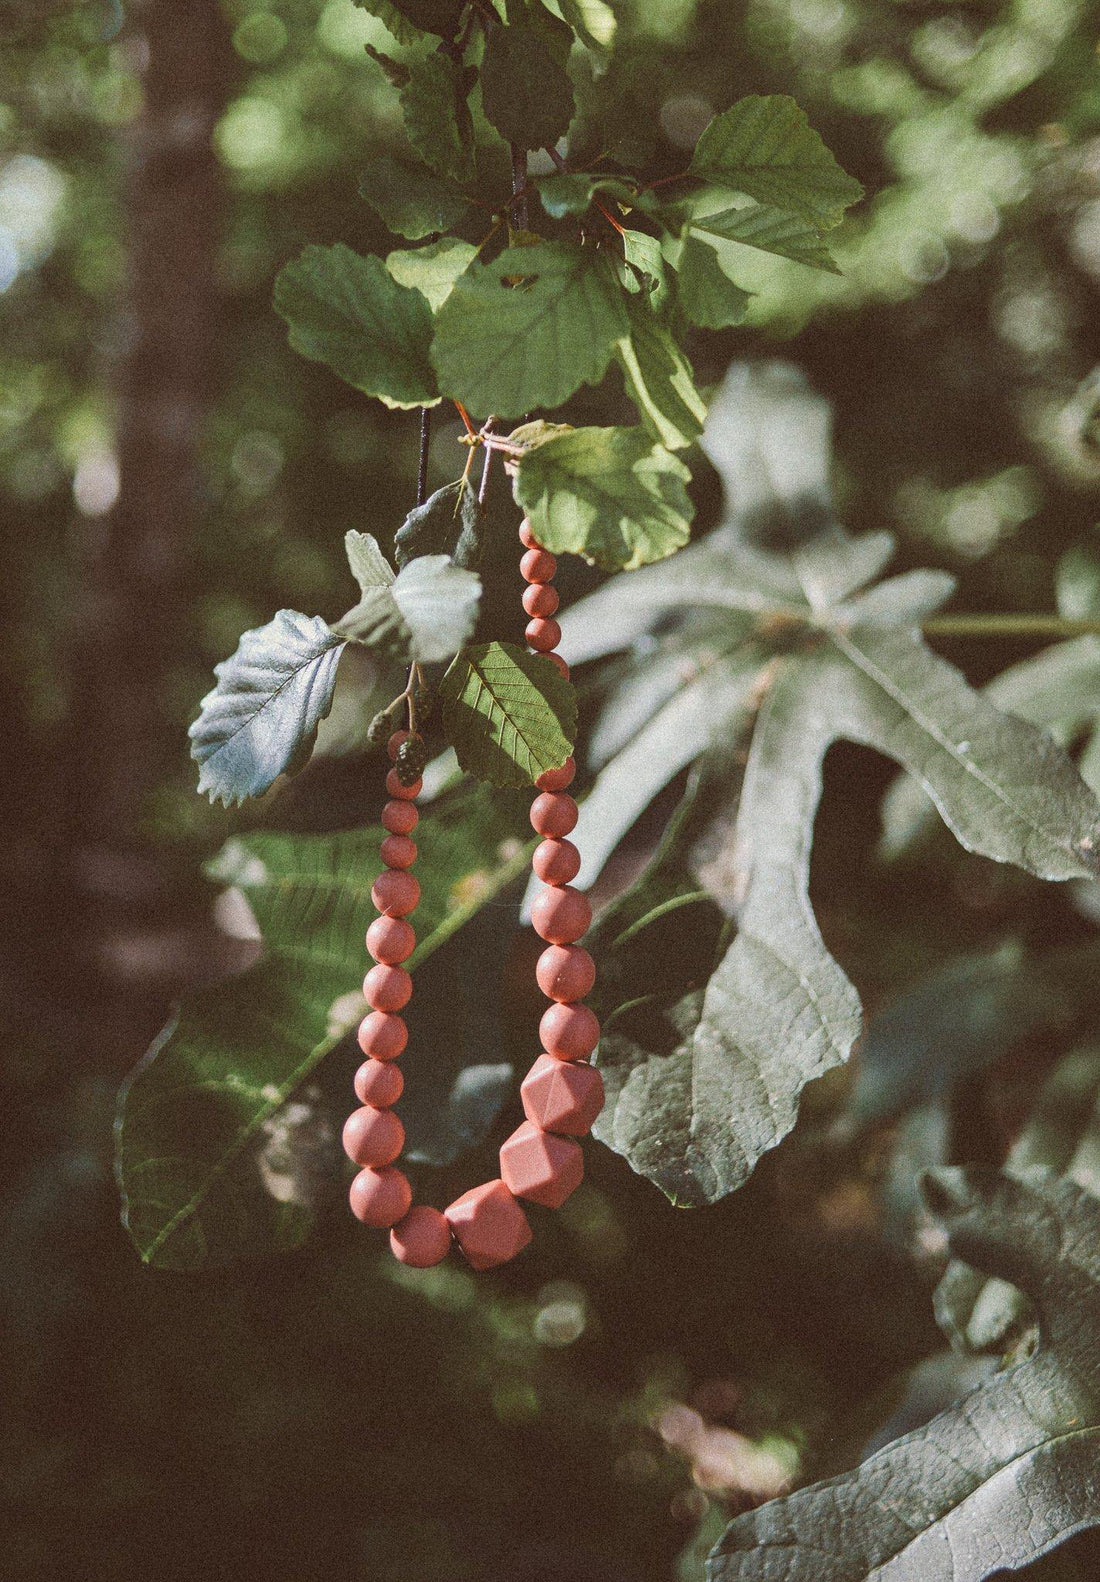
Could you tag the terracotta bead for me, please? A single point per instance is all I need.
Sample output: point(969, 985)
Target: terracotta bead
point(380, 1197)
point(565, 972)
point(383, 1036)
point(398, 851)
point(553, 813)
point(422, 1238)
point(559, 665)
point(379, 1082)
point(373, 1137)
point(556, 862)
point(538, 565)
point(391, 940)
point(542, 635)
point(541, 1167)
point(395, 894)
point(540, 599)
point(400, 818)
point(569, 1032)
point(558, 779)
point(387, 988)
point(561, 1096)
point(489, 1225)
point(527, 535)
point(401, 793)
point(395, 742)
point(560, 915)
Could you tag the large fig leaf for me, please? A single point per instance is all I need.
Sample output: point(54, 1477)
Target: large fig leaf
point(998, 1480)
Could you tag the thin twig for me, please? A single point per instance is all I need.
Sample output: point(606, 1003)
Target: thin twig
point(1007, 624)
point(519, 187)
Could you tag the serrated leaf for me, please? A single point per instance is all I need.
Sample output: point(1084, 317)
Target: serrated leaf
point(645, 259)
point(202, 1117)
point(448, 523)
point(437, 117)
point(346, 311)
point(396, 72)
point(429, 16)
point(507, 348)
point(658, 378)
point(706, 292)
point(572, 192)
point(425, 614)
point(432, 270)
point(508, 714)
point(264, 712)
point(769, 231)
point(607, 494)
point(525, 93)
point(412, 203)
point(765, 148)
point(393, 20)
point(593, 21)
point(996, 1481)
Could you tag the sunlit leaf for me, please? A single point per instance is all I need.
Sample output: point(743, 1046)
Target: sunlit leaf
point(658, 378)
point(433, 269)
point(508, 714)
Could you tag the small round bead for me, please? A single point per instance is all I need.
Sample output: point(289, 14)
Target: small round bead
point(398, 851)
point(569, 1032)
point(542, 635)
point(556, 862)
point(383, 1036)
point(558, 779)
point(560, 915)
point(527, 535)
point(387, 988)
point(373, 1137)
point(402, 793)
point(565, 972)
point(395, 742)
point(422, 1238)
point(540, 599)
point(559, 665)
point(394, 893)
point(400, 818)
point(391, 940)
point(538, 565)
point(553, 813)
point(380, 1197)
point(379, 1083)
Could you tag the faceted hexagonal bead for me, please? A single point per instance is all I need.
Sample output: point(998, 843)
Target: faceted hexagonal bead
point(489, 1225)
point(537, 1165)
point(560, 1096)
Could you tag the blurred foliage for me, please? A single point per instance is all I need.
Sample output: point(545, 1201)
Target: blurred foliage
point(580, 1412)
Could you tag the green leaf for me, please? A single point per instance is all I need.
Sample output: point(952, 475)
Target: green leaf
point(437, 117)
point(705, 291)
point(999, 1479)
point(429, 16)
point(569, 192)
point(412, 203)
point(396, 72)
point(204, 1121)
point(769, 231)
point(432, 270)
point(261, 718)
point(393, 20)
point(448, 523)
point(507, 348)
point(658, 378)
point(1077, 581)
point(593, 21)
point(525, 93)
point(607, 494)
point(345, 310)
point(508, 714)
point(425, 614)
point(765, 148)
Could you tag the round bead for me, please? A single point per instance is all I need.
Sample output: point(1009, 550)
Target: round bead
point(560, 915)
point(558, 779)
point(538, 565)
point(402, 793)
point(398, 851)
point(387, 988)
point(378, 1083)
point(400, 818)
point(373, 1137)
point(383, 1036)
point(556, 862)
point(422, 1238)
point(542, 635)
point(569, 1032)
point(559, 665)
point(527, 535)
point(395, 894)
point(553, 813)
point(395, 742)
point(391, 940)
point(565, 972)
point(540, 599)
point(380, 1197)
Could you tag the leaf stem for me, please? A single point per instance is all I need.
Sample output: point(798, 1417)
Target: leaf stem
point(1009, 625)
point(520, 214)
